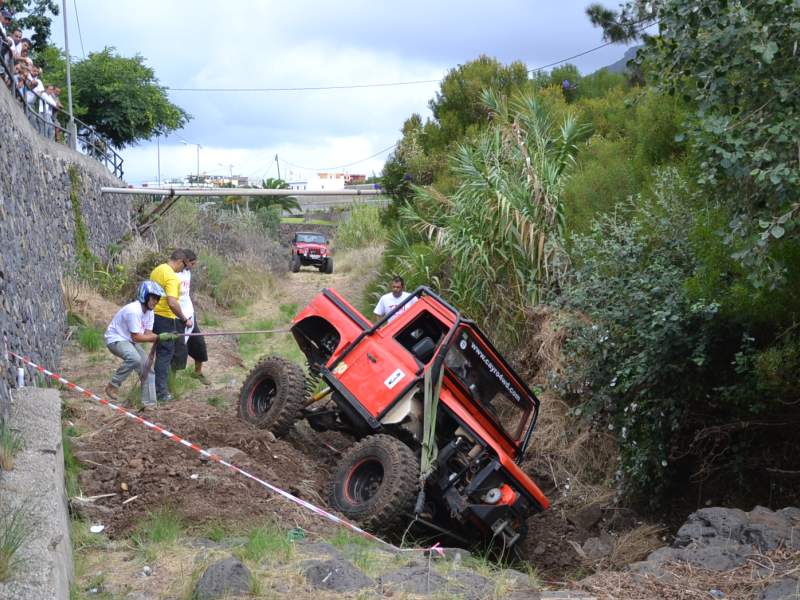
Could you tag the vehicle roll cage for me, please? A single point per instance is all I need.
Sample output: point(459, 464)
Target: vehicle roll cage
point(438, 359)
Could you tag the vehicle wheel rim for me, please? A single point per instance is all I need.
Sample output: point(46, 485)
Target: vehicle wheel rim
point(261, 397)
point(364, 481)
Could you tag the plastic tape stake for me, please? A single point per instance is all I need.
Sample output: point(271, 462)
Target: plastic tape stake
point(213, 457)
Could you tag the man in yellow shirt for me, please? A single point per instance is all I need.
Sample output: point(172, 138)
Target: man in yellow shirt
point(169, 318)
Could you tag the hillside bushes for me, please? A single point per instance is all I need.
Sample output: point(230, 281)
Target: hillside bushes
point(686, 383)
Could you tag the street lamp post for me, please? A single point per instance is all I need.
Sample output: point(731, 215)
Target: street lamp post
point(71, 127)
point(185, 143)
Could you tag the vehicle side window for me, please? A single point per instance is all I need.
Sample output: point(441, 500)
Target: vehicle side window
point(421, 336)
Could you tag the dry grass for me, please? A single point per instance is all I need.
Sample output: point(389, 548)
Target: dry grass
point(686, 582)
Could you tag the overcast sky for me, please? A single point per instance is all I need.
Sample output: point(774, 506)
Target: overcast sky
point(249, 43)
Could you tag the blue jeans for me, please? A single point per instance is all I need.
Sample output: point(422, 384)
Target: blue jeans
point(133, 361)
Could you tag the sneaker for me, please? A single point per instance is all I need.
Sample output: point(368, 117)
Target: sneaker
point(111, 391)
point(164, 399)
point(200, 377)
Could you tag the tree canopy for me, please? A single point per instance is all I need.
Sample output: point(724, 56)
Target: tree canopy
point(736, 65)
point(36, 15)
point(119, 97)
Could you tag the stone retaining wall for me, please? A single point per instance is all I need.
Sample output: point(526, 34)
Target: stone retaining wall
point(37, 235)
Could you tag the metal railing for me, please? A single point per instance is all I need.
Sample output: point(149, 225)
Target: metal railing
point(88, 141)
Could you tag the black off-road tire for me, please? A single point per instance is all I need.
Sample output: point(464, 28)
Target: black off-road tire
point(328, 266)
point(273, 395)
point(295, 263)
point(376, 482)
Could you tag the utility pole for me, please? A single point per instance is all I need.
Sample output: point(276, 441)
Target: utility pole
point(71, 127)
point(279, 166)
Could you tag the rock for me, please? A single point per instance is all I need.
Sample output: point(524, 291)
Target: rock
point(226, 453)
point(597, 548)
point(414, 579)
point(588, 516)
point(785, 589)
point(711, 526)
point(336, 575)
point(761, 528)
point(223, 578)
point(472, 586)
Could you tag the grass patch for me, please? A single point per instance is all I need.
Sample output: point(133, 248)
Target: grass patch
point(253, 345)
point(217, 402)
point(266, 541)
point(209, 320)
point(362, 227)
point(303, 221)
point(289, 310)
point(179, 383)
point(90, 338)
point(11, 443)
point(72, 467)
point(75, 320)
point(362, 552)
point(14, 530)
point(161, 528)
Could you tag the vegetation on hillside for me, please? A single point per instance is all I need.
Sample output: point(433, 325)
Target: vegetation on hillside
point(669, 249)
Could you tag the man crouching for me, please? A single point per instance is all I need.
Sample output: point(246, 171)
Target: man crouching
point(131, 326)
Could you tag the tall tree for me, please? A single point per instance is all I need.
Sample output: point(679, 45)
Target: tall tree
point(121, 98)
point(736, 64)
point(36, 15)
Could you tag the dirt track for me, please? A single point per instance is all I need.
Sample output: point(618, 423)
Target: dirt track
point(148, 471)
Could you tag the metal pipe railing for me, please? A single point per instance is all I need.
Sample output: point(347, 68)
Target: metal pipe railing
point(92, 143)
point(171, 191)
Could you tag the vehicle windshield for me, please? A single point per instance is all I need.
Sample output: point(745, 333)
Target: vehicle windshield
point(309, 238)
point(486, 383)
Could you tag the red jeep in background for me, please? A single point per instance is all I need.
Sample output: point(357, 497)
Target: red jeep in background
point(313, 249)
point(442, 420)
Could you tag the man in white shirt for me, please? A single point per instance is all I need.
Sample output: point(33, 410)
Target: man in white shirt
point(132, 325)
point(48, 109)
point(194, 346)
point(393, 299)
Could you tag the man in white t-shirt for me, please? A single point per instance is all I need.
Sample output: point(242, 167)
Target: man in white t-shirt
point(393, 299)
point(194, 346)
point(132, 325)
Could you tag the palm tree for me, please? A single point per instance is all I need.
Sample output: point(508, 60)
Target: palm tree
point(504, 226)
point(287, 203)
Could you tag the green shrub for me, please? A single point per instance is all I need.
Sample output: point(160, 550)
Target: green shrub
point(91, 338)
point(663, 368)
point(11, 443)
point(15, 528)
point(362, 227)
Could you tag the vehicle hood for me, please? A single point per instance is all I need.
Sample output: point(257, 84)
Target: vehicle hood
point(321, 248)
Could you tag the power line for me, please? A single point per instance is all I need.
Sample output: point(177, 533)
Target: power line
point(78, 21)
point(378, 85)
point(286, 162)
point(306, 88)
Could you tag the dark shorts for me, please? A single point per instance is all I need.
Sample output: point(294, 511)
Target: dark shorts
point(194, 347)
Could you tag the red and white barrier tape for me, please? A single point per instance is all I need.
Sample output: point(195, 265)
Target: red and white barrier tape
point(168, 434)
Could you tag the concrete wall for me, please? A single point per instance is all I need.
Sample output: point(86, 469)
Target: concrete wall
point(34, 489)
point(37, 235)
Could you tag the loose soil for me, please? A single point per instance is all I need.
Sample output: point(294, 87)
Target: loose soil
point(130, 471)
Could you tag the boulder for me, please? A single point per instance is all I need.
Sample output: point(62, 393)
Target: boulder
point(336, 575)
point(223, 578)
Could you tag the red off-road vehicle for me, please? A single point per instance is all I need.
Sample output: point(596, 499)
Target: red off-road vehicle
point(442, 421)
point(313, 249)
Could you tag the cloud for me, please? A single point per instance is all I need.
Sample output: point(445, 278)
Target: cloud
point(243, 44)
